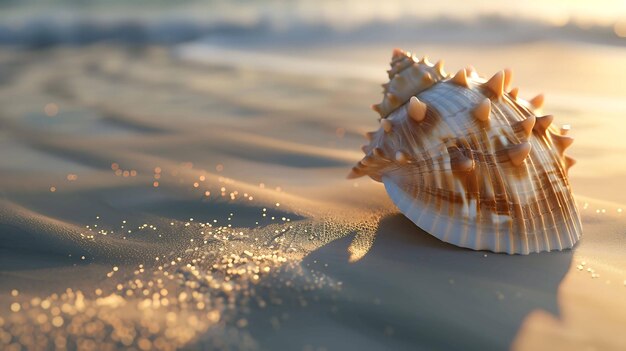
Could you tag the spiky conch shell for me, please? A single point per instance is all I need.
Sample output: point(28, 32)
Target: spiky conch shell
point(469, 163)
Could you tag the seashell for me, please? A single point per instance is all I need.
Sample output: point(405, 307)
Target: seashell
point(469, 163)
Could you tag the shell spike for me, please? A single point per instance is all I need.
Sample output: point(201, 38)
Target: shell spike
point(378, 152)
point(513, 93)
point(427, 79)
point(471, 71)
point(393, 99)
point(367, 161)
point(528, 124)
point(386, 125)
point(355, 172)
point(439, 68)
point(537, 101)
point(461, 163)
point(496, 84)
point(543, 123)
point(518, 153)
point(401, 156)
point(425, 61)
point(460, 78)
point(561, 142)
point(508, 77)
point(397, 52)
point(569, 162)
point(417, 109)
point(458, 161)
point(483, 110)
point(400, 79)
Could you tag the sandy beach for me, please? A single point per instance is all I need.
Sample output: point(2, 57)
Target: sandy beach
point(194, 196)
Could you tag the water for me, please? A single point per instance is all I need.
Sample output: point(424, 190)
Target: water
point(37, 24)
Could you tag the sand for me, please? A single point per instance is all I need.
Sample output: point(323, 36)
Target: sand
point(195, 197)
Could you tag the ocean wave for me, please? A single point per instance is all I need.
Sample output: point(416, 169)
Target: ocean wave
point(42, 32)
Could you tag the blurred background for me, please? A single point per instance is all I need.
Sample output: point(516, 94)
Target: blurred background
point(31, 23)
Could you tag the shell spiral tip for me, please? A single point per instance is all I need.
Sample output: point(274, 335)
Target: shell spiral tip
point(397, 52)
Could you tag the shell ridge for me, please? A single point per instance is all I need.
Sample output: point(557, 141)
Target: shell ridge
point(537, 222)
point(542, 142)
point(478, 231)
point(493, 173)
point(458, 110)
point(565, 198)
point(568, 220)
point(565, 203)
point(527, 200)
point(516, 117)
point(445, 107)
